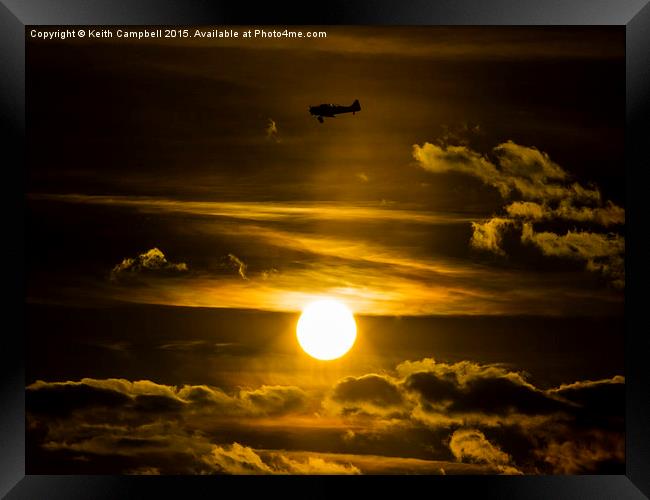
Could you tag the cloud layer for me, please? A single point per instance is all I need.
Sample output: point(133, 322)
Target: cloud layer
point(465, 413)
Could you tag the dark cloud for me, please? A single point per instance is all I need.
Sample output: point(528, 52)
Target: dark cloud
point(152, 403)
point(373, 389)
point(527, 426)
point(272, 400)
point(599, 401)
point(594, 392)
point(586, 453)
point(62, 398)
point(142, 398)
point(492, 390)
point(476, 414)
point(433, 388)
point(489, 394)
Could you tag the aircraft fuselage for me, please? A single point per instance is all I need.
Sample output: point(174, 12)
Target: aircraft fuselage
point(331, 110)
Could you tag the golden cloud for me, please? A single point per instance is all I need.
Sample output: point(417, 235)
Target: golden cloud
point(151, 261)
point(471, 444)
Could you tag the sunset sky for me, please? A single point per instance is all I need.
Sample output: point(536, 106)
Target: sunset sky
point(183, 208)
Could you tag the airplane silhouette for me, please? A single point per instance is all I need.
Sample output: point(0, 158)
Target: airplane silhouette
point(330, 110)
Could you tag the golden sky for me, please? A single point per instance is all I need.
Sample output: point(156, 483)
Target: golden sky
point(183, 207)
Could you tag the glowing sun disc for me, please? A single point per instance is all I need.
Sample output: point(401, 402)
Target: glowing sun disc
point(326, 329)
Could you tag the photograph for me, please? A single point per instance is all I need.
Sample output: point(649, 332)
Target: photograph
point(319, 249)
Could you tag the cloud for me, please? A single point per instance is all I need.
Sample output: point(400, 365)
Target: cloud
point(465, 388)
point(529, 163)
point(440, 395)
point(574, 244)
point(182, 345)
point(602, 398)
point(593, 451)
point(271, 130)
point(471, 445)
point(152, 261)
point(370, 279)
point(518, 169)
point(362, 177)
point(458, 388)
point(61, 398)
point(461, 159)
point(313, 465)
point(528, 210)
point(486, 416)
point(238, 459)
point(601, 252)
point(273, 400)
point(376, 277)
point(144, 396)
point(143, 471)
point(372, 393)
point(547, 193)
point(263, 211)
point(238, 264)
point(488, 235)
point(387, 277)
point(610, 214)
point(459, 134)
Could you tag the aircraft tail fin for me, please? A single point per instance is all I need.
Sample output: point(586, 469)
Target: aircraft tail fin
point(356, 106)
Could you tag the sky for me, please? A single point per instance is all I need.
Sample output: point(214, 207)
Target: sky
point(183, 207)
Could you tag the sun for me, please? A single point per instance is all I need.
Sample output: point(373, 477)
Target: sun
point(326, 329)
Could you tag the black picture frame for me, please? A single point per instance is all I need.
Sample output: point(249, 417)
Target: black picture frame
point(15, 15)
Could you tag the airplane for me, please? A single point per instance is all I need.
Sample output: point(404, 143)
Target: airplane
point(330, 110)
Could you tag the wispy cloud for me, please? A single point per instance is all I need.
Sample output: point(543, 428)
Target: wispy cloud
point(271, 130)
point(238, 264)
point(265, 211)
